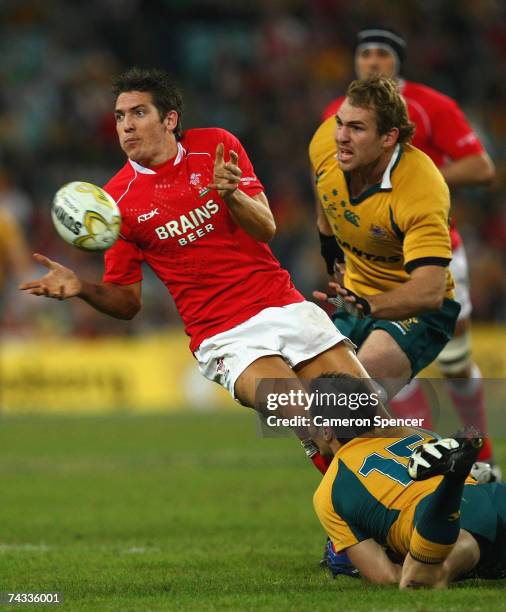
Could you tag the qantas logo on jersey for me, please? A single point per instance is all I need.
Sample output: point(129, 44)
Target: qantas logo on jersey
point(191, 226)
point(369, 256)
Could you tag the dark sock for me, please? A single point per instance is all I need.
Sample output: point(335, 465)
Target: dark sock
point(440, 518)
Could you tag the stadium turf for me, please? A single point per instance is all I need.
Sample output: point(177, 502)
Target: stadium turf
point(181, 512)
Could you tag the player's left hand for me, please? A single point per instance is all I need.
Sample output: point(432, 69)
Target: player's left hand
point(345, 300)
point(227, 175)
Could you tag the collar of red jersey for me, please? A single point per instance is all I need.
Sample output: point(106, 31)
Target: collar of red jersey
point(386, 182)
point(142, 170)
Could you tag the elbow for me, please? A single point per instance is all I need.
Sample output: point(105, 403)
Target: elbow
point(388, 577)
point(393, 575)
point(268, 232)
point(434, 302)
point(490, 175)
point(427, 302)
point(487, 176)
point(131, 311)
point(128, 316)
point(487, 173)
point(272, 231)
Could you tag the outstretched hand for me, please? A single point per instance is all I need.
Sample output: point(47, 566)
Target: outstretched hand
point(335, 289)
point(344, 299)
point(227, 175)
point(59, 283)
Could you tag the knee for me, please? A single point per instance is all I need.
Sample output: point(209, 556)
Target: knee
point(434, 581)
point(455, 359)
point(417, 575)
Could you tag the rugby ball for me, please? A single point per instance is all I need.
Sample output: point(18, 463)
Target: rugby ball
point(86, 216)
point(482, 472)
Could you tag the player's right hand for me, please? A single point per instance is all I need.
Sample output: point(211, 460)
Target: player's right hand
point(227, 175)
point(339, 272)
point(59, 283)
point(344, 300)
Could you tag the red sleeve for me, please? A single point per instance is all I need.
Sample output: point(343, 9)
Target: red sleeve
point(249, 180)
point(452, 134)
point(123, 263)
point(332, 108)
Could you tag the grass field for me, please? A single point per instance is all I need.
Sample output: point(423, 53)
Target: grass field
point(183, 512)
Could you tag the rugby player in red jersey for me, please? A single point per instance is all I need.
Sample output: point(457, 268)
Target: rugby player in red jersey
point(444, 134)
point(195, 212)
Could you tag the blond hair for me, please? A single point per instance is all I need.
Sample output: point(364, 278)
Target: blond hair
point(382, 95)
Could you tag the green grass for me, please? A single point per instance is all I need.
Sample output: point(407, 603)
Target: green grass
point(183, 512)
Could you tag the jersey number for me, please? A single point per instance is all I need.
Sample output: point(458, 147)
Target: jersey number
point(390, 467)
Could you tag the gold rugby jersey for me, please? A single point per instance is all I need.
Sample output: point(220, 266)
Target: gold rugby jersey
point(391, 228)
point(367, 492)
point(10, 239)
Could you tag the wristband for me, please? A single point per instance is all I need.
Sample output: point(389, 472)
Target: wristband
point(342, 305)
point(321, 462)
point(330, 251)
point(310, 447)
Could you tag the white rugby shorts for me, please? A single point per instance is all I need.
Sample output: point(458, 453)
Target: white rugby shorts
point(458, 268)
point(296, 332)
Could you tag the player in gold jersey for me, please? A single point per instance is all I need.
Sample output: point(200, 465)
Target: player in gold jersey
point(435, 528)
point(14, 254)
point(387, 206)
point(443, 132)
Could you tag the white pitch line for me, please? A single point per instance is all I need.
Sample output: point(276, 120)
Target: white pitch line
point(138, 550)
point(23, 547)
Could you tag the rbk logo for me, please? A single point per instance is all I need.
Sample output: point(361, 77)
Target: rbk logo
point(148, 215)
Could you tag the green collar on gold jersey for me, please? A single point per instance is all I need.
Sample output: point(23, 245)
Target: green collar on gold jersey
point(386, 183)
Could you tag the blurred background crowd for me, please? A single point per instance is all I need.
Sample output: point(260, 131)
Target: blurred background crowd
point(261, 69)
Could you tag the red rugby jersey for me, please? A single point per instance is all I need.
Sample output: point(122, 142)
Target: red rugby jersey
point(442, 131)
point(216, 273)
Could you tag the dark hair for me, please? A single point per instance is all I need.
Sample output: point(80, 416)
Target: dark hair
point(162, 87)
point(383, 97)
point(382, 37)
point(331, 386)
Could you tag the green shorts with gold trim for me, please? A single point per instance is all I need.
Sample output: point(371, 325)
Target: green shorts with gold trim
point(421, 338)
point(483, 515)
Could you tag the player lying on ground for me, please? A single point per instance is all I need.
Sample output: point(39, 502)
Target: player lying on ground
point(437, 528)
point(194, 211)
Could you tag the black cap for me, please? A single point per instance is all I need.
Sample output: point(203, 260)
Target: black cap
point(385, 38)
